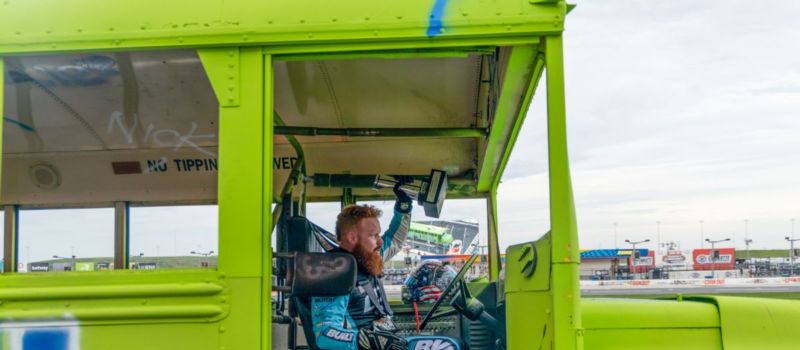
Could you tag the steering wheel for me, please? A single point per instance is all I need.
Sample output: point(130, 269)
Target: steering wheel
point(451, 289)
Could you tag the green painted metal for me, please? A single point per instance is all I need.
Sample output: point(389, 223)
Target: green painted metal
point(515, 86)
point(388, 54)
point(59, 26)
point(381, 132)
point(117, 313)
point(226, 81)
point(641, 313)
point(520, 120)
point(242, 196)
point(756, 323)
point(116, 297)
point(494, 249)
point(441, 43)
point(656, 338)
point(110, 291)
point(529, 296)
point(565, 259)
point(493, 242)
point(266, 199)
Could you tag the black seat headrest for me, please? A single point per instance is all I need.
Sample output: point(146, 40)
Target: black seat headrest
point(323, 274)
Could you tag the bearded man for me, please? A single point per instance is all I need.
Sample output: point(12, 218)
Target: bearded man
point(362, 319)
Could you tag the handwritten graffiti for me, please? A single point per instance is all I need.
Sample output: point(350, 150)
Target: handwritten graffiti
point(160, 137)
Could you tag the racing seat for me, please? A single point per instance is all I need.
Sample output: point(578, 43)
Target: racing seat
point(316, 274)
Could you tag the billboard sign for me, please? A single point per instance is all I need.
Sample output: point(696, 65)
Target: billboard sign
point(705, 259)
point(674, 257)
point(147, 266)
point(39, 267)
point(84, 266)
point(644, 263)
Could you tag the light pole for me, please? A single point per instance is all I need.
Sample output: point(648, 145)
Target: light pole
point(615, 236)
point(713, 259)
point(633, 252)
point(64, 257)
point(204, 255)
point(747, 243)
point(791, 253)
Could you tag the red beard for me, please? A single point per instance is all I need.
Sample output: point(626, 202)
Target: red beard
point(370, 260)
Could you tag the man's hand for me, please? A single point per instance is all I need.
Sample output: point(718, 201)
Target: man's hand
point(403, 203)
point(380, 340)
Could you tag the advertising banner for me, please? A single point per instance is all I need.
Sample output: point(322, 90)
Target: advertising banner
point(705, 259)
point(147, 266)
point(675, 258)
point(84, 266)
point(39, 267)
point(644, 263)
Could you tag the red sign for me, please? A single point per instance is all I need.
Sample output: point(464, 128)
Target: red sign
point(705, 259)
point(644, 263)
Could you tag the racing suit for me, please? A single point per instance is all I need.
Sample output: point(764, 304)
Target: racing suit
point(337, 320)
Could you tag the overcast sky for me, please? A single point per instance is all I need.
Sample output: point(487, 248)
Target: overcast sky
point(678, 111)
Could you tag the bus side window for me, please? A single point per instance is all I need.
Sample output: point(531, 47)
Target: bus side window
point(57, 240)
point(166, 237)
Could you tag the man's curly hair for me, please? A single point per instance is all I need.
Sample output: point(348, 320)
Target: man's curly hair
point(352, 214)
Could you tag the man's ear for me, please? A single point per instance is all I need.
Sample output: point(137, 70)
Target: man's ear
point(350, 237)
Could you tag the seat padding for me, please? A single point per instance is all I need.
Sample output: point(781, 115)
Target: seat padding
point(323, 274)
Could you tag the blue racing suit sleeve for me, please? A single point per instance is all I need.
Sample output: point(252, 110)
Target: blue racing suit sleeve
point(395, 235)
point(333, 327)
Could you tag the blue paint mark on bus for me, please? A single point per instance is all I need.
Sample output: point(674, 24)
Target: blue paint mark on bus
point(50, 339)
point(435, 19)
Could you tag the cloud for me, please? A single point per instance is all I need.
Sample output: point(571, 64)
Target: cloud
point(677, 112)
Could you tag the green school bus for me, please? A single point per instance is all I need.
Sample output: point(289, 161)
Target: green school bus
point(427, 233)
point(265, 109)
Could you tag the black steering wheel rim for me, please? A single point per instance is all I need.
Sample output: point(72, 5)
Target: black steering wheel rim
point(447, 291)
